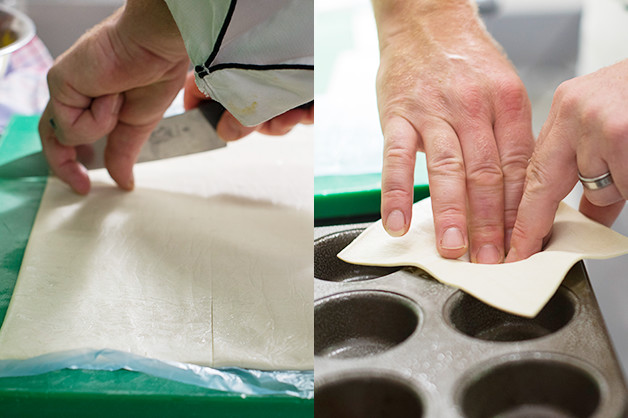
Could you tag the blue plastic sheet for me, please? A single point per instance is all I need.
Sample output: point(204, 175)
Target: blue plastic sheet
point(229, 379)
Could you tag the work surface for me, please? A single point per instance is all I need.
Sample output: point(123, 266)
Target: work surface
point(23, 200)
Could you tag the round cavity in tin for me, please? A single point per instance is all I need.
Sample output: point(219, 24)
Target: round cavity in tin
point(377, 397)
point(534, 387)
point(362, 323)
point(327, 266)
point(477, 319)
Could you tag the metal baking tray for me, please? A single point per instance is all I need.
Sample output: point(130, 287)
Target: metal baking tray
point(394, 342)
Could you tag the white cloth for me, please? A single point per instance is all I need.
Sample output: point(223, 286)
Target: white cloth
point(207, 261)
point(522, 288)
point(254, 57)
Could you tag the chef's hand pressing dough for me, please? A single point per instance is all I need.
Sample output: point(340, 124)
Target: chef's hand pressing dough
point(444, 87)
point(586, 132)
point(116, 81)
point(229, 129)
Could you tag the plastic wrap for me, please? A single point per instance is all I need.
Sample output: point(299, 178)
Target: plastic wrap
point(229, 379)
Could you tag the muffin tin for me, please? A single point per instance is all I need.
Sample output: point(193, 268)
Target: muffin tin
point(394, 342)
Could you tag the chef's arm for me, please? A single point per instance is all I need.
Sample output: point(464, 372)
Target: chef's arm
point(446, 88)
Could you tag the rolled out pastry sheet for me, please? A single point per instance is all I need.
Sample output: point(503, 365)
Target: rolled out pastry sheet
point(522, 288)
point(207, 261)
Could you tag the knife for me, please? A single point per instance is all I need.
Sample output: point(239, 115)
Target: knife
point(188, 133)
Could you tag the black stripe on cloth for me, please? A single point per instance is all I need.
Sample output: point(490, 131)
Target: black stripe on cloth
point(221, 35)
point(259, 67)
point(200, 69)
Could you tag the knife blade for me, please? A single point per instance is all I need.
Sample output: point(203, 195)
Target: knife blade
point(188, 133)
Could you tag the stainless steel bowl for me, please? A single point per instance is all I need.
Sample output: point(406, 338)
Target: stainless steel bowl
point(16, 30)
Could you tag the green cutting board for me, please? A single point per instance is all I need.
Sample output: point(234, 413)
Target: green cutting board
point(80, 393)
point(352, 198)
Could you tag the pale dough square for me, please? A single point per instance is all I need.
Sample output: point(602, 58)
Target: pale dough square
point(207, 261)
point(522, 288)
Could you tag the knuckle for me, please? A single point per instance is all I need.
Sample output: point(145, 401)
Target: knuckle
point(562, 90)
point(590, 115)
point(396, 193)
point(567, 98)
point(52, 75)
point(447, 165)
point(512, 96)
point(514, 166)
point(448, 212)
point(615, 130)
point(537, 178)
point(396, 155)
point(485, 174)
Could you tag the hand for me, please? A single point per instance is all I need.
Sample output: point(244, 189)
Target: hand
point(446, 89)
point(586, 131)
point(116, 81)
point(229, 129)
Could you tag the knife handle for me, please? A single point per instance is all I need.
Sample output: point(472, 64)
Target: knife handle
point(212, 110)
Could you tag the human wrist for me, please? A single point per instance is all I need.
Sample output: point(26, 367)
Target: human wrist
point(426, 23)
point(149, 24)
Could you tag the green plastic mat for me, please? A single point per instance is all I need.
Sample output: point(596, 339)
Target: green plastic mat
point(352, 198)
point(79, 393)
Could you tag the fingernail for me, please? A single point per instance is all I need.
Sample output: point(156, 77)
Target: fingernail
point(130, 185)
point(230, 131)
point(488, 254)
point(395, 223)
point(452, 239)
point(512, 255)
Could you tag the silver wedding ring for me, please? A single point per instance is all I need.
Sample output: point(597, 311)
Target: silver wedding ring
point(596, 183)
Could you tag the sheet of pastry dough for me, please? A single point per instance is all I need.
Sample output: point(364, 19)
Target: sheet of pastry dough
point(521, 288)
point(207, 261)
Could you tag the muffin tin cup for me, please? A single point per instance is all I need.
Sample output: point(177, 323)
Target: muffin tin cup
point(456, 355)
point(375, 395)
point(532, 385)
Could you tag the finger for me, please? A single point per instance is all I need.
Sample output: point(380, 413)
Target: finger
point(62, 159)
point(616, 160)
point(75, 126)
point(446, 169)
point(605, 215)
point(551, 175)
point(400, 147)
point(192, 96)
point(485, 193)
point(282, 124)
point(230, 129)
point(601, 197)
point(515, 143)
point(123, 147)
point(309, 117)
point(591, 164)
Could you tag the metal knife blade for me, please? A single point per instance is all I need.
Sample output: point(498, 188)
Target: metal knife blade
point(188, 133)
